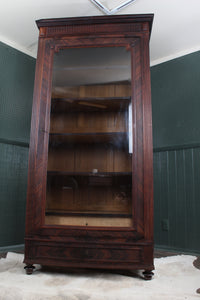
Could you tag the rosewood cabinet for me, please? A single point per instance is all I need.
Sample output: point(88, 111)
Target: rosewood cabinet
point(90, 182)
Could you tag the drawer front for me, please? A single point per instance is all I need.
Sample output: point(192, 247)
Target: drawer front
point(83, 254)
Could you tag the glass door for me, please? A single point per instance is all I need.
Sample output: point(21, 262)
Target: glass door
point(89, 175)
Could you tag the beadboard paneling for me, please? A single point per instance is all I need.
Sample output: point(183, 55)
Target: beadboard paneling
point(177, 198)
point(13, 184)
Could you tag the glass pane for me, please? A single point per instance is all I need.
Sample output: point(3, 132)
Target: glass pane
point(89, 179)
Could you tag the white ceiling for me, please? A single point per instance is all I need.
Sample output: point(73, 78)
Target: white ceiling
point(176, 26)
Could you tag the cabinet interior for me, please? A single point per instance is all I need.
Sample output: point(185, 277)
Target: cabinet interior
point(89, 179)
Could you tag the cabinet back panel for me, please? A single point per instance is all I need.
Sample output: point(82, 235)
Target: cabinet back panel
point(85, 122)
point(85, 158)
point(89, 199)
point(100, 90)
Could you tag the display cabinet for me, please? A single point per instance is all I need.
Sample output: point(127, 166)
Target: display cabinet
point(90, 182)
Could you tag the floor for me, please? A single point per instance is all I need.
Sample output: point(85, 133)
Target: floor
point(175, 278)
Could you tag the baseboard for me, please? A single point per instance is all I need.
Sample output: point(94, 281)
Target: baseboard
point(20, 248)
point(11, 248)
point(177, 250)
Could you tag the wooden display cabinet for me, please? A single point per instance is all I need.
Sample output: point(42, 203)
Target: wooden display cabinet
point(90, 183)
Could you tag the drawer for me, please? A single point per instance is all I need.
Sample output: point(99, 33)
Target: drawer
point(90, 254)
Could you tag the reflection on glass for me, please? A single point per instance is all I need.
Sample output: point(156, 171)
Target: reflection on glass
point(89, 179)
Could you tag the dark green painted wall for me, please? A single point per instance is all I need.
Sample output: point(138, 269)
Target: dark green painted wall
point(176, 130)
point(176, 102)
point(16, 90)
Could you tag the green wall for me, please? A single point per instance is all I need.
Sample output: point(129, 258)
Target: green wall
point(176, 131)
point(176, 102)
point(176, 135)
point(16, 89)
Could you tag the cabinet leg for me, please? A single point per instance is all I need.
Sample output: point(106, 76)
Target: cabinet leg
point(29, 269)
point(148, 274)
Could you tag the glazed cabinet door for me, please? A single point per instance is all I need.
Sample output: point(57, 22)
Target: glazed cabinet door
point(89, 169)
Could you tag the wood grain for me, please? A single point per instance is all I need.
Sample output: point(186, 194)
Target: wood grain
point(87, 241)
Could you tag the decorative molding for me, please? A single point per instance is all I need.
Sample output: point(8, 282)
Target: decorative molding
point(174, 56)
point(17, 46)
point(93, 29)
point(14, 142)
point(176, 147)
point(19, 247)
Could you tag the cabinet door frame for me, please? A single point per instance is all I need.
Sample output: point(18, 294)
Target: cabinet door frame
point(141, 159)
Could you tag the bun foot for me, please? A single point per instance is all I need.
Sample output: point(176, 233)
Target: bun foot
point(148, 274)
point(29, 269)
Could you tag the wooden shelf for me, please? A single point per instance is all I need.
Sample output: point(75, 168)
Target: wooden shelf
point(117, 138)
point(73, 180)
point(88, 174)
point(88, 214)
point(89, 104)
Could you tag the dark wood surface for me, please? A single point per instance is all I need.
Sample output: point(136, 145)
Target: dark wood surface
point(89, 104)
point(90, 20)
point(112, 247)
point(89, 137)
